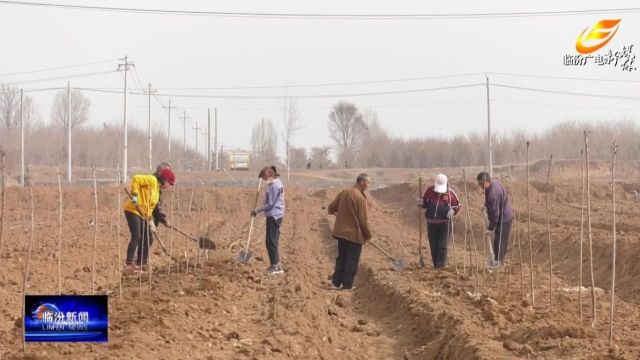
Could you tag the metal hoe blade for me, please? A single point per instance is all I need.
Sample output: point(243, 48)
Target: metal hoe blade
point(244, 256)
point(399, 265)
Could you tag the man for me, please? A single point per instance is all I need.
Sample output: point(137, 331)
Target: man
point(351, 229)
point(500, 216)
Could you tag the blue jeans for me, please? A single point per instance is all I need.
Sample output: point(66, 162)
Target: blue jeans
point(273, 237)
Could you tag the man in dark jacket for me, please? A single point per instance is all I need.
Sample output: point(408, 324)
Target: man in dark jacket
point(499, 214)
point(351, 229)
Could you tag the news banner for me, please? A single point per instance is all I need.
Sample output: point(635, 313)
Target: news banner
point(66, 318)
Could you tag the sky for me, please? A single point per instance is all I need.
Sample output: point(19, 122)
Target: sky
point(179, 53)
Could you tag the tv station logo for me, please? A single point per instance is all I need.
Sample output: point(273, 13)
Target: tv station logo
point(592, 40)
point(66, 318)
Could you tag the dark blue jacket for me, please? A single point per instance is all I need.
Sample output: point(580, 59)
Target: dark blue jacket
point(498, 205)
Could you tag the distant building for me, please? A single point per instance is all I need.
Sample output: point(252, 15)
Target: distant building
point(239, 159)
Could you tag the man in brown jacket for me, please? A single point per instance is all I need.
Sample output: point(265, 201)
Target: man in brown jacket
point(351, 229)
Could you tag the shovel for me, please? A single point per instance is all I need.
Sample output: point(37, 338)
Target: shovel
point(154, 234)
point(397, 264)
point(245, 254)
point(203, 241)
point(420, 258)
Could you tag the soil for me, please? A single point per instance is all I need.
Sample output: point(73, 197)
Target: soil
point(220, 309)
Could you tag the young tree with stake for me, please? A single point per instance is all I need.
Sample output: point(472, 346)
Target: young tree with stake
point(613, 262)
point(533, 291)
point(593, 281)
point(548, 191)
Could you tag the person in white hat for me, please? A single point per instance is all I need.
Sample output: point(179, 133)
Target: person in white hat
point(441, 205)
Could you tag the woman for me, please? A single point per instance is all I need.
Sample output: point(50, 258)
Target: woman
point(273, 209)
point(145, 195)
point(441, 204)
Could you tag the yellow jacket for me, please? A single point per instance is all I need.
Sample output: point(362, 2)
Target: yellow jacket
point(147, 189)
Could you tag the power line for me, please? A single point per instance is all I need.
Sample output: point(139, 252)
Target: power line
point(564, 105)
point(65, 77)
point(564, 77)
point(325, 16)
point(324, 84)
point(267, 97)
point(573, 93)
point(58, 68)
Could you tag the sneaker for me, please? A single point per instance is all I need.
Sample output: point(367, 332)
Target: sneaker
point(131, 267)
point(348, 289)
point(275, 270)
point(333, 286)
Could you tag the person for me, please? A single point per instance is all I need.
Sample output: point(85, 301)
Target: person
point(159, 214)
point(351, 229)
point(441, 205)
point(145, 195)
point(499, 216)
point(273, 208)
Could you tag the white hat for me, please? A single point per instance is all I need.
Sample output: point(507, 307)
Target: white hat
point(440, 184)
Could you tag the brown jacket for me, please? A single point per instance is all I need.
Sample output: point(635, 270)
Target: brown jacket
point(350, 208)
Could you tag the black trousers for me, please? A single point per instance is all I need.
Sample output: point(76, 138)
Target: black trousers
point(438, 238)
point(140, 242)
point(272, 239)
point(501, 240)
point(346, 263)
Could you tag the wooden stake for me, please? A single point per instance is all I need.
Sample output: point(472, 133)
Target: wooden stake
point(2, 189)
point(581, 234)
point(59, 232)
point(109, 254)
point(519, 239)
point(549, 234)
point(177, 207)
point(514, 232)
point(149, 236)
point(533, 290)
point(95, 234)
point(593, 281)
point(173, 198)
point(470, 226)
point(613, 265)
point(25, 280)
point(206, 222)
point(119, 267)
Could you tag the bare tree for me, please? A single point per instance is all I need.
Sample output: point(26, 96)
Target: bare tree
point(264, 142)
point(347, 128)
point(298, 157)
point(319, 157)
point(10, 108)
point(79, 109)
point(292, 124)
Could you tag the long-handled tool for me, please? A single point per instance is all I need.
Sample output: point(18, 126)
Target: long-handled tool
point(154, 234)
point(488, 236)
point(203, 242)
point(397, 264)
point(420, 257)
point(245, 254)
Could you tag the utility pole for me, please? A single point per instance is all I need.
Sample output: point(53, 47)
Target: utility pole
point(169, 128)
point(489, 130)
point(184, 137)
point(22, 137)
point(69, 131)
point(125, 67)
point(196, 128)
point(208, 139)
point(215, 144)
point(150, 137)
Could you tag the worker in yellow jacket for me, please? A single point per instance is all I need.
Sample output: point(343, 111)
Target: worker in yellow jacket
point(139, 212)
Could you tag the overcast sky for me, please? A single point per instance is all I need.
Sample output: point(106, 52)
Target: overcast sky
point(190, 52)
